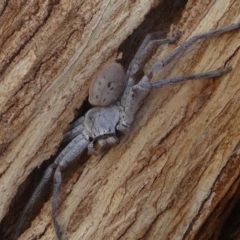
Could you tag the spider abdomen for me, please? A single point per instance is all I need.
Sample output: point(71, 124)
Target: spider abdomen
point(108, 85)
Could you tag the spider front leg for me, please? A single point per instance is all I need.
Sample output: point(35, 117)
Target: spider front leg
point(150, 41)
point(157, 66)
point(200, 76)
point(134, 94)
point(69, 153)
point(36, 194)
point(74, 148)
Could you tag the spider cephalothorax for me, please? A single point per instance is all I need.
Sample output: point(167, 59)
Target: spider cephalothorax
point(100, 126)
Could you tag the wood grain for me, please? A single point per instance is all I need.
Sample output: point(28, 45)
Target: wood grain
point(182, 157)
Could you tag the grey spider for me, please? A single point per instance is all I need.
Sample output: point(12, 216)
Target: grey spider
point(116, 97)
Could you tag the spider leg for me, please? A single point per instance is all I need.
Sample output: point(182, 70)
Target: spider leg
point(75, 129)
point(130, 102)
point(169, 81)
point(36, 194)
point(137, 93)
point(134, 94)
point(145, 81)
point(78, 122)
point(190, 42)
point(74, 148)
point(150, 41)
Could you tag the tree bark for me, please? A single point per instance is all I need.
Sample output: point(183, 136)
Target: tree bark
point(172, 178)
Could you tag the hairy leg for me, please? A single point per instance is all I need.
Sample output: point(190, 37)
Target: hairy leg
point(157, 66)
point(200, 76)
point(150, 41)
point(36, 194)
point(77, 146)
point(134, 94)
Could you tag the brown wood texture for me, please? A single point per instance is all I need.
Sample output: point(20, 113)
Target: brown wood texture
point(173, 176)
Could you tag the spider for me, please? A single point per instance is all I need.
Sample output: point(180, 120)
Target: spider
point(116, 97)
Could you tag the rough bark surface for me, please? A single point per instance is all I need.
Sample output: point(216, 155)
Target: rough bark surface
point(172, 178)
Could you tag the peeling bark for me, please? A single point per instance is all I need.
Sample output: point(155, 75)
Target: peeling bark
point(172, 178)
